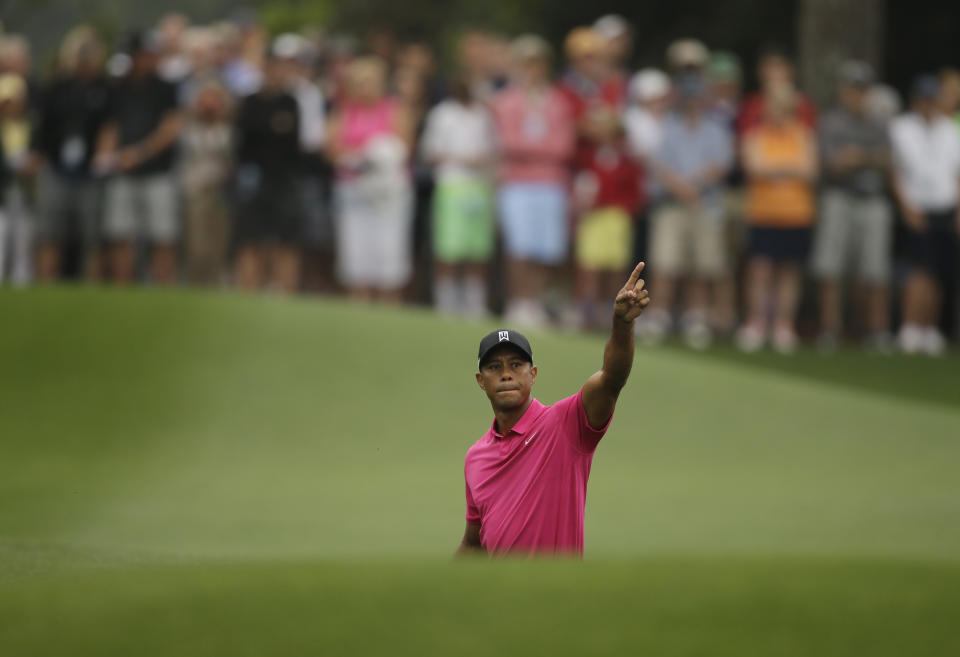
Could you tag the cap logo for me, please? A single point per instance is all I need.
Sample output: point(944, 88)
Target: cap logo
point(504, 336)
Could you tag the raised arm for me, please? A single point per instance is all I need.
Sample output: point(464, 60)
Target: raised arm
point(601, 390)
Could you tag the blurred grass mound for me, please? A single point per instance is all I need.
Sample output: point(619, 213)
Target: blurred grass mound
point(197, 474)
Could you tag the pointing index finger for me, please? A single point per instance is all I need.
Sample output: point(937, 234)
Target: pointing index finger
point(635, 276)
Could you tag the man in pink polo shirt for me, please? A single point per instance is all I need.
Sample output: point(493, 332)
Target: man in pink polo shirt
point(526, 478)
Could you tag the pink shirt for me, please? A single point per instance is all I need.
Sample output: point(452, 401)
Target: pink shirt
point(361, 123)
point(527, 489)
point(536, 135)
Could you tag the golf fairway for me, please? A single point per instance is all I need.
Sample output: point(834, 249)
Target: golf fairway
point(188, 473)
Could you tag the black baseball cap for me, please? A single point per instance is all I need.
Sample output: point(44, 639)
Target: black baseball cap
point(494, 339)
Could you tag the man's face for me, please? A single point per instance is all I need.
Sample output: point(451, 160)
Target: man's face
point(853, 98)
point(507, 377)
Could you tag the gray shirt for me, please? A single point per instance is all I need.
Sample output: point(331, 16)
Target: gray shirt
point(840, 128)
point(689, 148)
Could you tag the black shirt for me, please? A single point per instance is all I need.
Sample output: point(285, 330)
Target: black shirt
point(70, 114)
point(268, 133)
point(138, 106)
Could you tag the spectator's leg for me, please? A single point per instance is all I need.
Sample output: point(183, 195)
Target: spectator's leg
point(446, 294)
point(788, 296)
point(759, 275)
point(163, 264)
point(161, 203)
point(48, 261)
point(475, 289)
point(248, 268)
point(122, 261)
point(120, 223)
point(285, 268)
point(829, 290)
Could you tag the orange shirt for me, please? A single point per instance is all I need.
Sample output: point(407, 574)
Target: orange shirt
point(786, 202)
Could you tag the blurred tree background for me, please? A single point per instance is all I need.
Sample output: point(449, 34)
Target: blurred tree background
point(900, 37)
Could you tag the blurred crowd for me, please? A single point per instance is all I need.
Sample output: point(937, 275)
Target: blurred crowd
point(526, 182)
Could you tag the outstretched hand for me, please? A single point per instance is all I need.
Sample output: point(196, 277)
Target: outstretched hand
point(632, 299)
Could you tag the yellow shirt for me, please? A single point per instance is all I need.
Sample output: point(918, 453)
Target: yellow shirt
point(786, 202)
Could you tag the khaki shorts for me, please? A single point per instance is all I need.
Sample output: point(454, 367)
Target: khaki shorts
point(685, 241)
point(142, 207)
point(854, 234)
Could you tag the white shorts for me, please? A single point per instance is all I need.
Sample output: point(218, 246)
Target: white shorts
point(374, 226)
point(142, 207)
point(854, 233)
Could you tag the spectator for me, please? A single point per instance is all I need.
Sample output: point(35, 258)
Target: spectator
point(15, 213)
point(694, 157)
point(459, 142)
point(297, 56)
point(73, 109)
point(414, 85)
point(536, 135)
point(607, 191)
point(856, 222)
point(643, 122)
point(478, 58)
point(370, 136)
point(687, 56)
point(618, 38)
point(590, 84)
point(926, 149)
point(725, 76)
point(207, 161)
point(780, 162)
point(268, 226)
point(774, 70)
point(137, 146)
point(173, 64)
point(950, 94)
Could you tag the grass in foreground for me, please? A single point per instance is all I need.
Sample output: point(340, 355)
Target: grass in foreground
point(189, 473)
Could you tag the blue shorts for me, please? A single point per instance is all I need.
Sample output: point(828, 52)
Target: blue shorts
point(534, 221)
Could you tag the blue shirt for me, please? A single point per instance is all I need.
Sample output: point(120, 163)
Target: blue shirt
point(688, 149)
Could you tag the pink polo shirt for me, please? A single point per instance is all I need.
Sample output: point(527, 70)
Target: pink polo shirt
point(527, 489)
point(536, 135)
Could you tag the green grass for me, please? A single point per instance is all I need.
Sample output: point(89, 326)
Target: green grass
point(198, 474)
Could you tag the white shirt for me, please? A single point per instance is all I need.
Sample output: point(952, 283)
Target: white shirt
point(312, 120)
point(454, 130)
point(643, 130)
point(926, 160)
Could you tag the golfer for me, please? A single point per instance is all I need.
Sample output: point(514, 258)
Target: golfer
point(526, 478)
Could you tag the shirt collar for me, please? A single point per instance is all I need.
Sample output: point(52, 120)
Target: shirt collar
point(532, 413)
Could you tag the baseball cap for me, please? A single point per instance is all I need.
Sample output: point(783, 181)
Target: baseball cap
point(530, 46)
point(649, 84)
point(612, 26)
point(687, 52)
point(494, 339)
point(583, 41)
point(855, 73)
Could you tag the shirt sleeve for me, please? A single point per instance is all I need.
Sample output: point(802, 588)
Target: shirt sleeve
point(576, 425)
point(473, 513)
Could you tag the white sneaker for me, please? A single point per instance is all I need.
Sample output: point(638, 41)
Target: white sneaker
point(698, 335)
point(911, 339)
point(934, 343)
point(750, 339)
point(653, 326)
point(785, 340)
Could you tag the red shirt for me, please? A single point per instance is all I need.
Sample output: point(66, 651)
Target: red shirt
point(617, 176)
point(528, 488)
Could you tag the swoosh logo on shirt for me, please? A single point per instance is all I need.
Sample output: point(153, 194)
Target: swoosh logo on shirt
point(527, 441)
